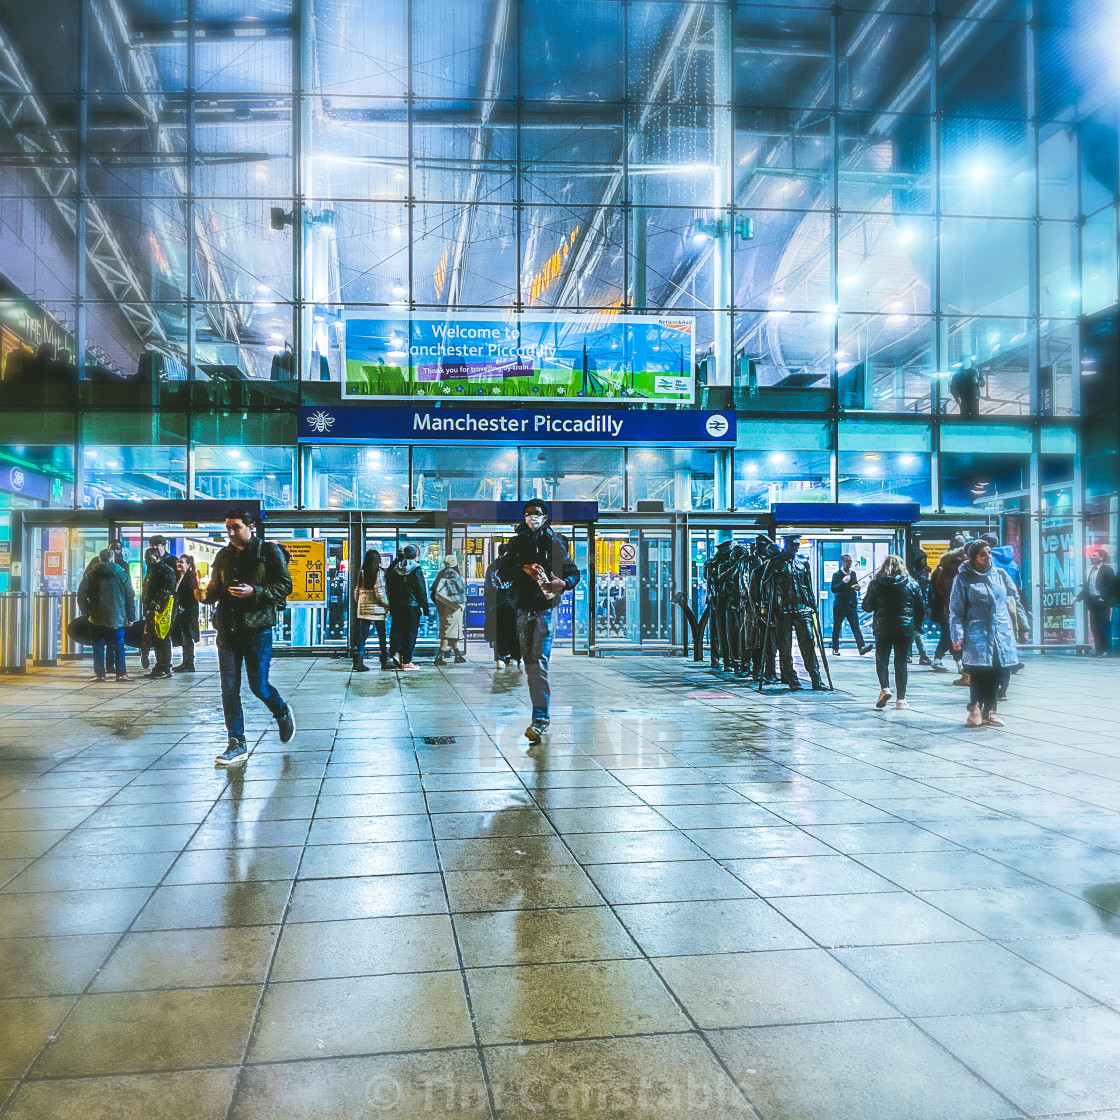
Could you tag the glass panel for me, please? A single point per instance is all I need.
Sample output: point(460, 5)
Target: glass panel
point(572, 258)
point(885, 164)
point(132, 473)
point(439, 474)
point(885, 362)
point(1059, 293)
point(782, 160)
point(998, 350)
point(984, 267)
point(569, 474)
point(256, 259)
point(983, 482)
point(464, 152)
point(659, 65)
point(360, 47)
point(678, 259)
point(785, 264)
point(784, 360)
point(468, 251)
point(681, 480)
point(356, 477)
point(617, 611)
point(1057, 172)
point(1098, 261)
point(885, 264)
point(783, 56)
point(244, 156)
point(879, 477)
point(983, 68)
point(986, 170)
point(874, 53)
point(369, 251)
point(571, 51)
point(763, 478)
point(236, 473)
point(1059, 583)
point(450, 56)
point(1057, 343)
point(655, 567)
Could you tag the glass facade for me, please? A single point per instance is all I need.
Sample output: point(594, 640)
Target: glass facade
point(855, 203)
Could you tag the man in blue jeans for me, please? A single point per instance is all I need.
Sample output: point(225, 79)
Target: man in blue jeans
point(249, 582)
point(539, 570)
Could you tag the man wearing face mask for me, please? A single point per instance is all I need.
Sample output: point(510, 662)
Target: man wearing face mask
point(538, 568)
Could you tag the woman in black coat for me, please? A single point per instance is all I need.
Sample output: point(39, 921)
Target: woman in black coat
point(501, 616)
point(184, 626)
point(895, 599)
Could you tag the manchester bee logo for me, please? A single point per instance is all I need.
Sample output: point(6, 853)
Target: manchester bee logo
point(320, 421)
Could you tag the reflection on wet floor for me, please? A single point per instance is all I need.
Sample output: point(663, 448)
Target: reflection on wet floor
point(720, 905)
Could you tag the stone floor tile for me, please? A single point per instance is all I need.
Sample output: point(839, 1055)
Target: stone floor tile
point(506, 822)
point(334, 861)
point(331, 1018)
point(73, 873)
point(957, 978)
point(365, 947)
point(188, 958)
point(572, 1000)
point(51, 966)
point(1031, 911)
point(719, 926)
point(379, 896)
point(779, 876)
point(769, 987)
point(753, 843)
point(419, 1086)
point(1090, 962)
point(871, 919)
point(677, 881)
point(931, 871)
point(510, 937)
point(634, 847)
point(521, 889)
point(25, 1027)
point(657, 1077)
point(131, 1032)
point(185, 1095)
point(196, 905)
point(885, 1069)
point(1065, 1060)
point(238, 865)
point(503, 853)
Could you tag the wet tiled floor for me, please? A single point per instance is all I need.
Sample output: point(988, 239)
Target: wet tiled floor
point(791, 907)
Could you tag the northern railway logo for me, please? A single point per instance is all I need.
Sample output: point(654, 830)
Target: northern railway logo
point(716, 426)
point(320, 421)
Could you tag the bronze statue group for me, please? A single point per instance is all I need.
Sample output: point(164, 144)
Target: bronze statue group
point(760, 598)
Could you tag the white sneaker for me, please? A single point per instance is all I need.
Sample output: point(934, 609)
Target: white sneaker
point(900, 704)
point(884, 696)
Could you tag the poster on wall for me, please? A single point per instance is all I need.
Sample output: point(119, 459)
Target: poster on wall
point(532, 356)
point(308, 568)
point(1059, 624)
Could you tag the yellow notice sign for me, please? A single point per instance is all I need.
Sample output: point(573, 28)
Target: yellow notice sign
point(308, 568)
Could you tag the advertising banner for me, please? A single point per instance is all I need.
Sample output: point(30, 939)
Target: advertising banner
point(1059, 626)
point(521, 357)
point(457, 424)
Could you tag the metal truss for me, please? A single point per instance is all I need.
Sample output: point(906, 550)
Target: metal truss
point(23, 112)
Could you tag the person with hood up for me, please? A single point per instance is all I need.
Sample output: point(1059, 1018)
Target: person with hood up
point(895, 599)
point(501, 616)
point(105, 599)
point(1098, 595)
point(449, 593)
point(940, 588)
point(539, 570)
point(982, 631)
point(184, 627)
point(408, 600)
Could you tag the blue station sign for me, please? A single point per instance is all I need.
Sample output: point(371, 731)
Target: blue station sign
point(462, 424)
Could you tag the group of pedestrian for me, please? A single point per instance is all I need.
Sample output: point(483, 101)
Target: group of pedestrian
point(974, 594)
point(170, 610)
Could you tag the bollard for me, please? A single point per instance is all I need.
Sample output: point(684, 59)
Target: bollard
point(44, 649)
point(69, 650)
point(11, 632)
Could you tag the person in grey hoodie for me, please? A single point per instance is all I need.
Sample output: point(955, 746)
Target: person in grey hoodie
point(982, 630)
point(449, 593)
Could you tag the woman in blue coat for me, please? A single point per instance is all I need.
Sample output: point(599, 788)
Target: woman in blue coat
point(982, 630)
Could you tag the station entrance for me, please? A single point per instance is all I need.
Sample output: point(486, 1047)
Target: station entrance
point(637, 568)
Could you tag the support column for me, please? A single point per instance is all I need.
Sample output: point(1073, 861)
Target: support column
point(722, 65)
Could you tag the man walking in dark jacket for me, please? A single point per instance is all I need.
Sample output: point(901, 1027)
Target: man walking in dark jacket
point(845, 600)
point(408, 600)
point(105, 598)
point(539, 570)
point(249, 582)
